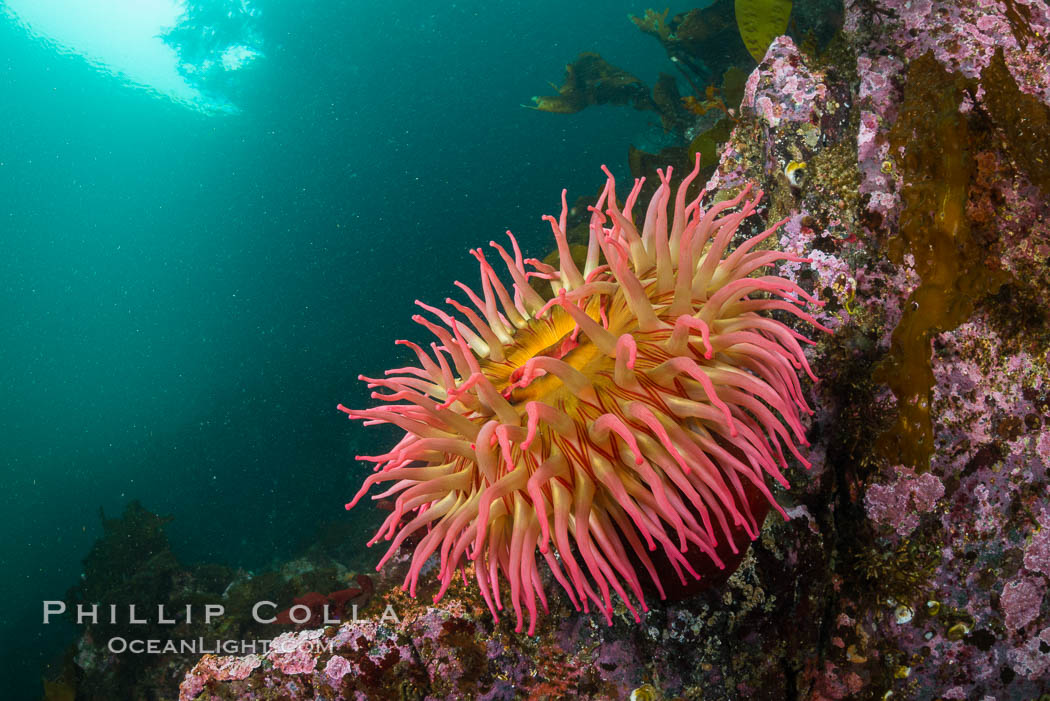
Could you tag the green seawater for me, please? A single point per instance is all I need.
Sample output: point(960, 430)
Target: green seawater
point(193, 274)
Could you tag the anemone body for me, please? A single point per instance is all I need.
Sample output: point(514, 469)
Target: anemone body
point(629, 412)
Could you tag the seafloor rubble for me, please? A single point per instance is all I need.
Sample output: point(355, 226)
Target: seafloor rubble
point(910, 155)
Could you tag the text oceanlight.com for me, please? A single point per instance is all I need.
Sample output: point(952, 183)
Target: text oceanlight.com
point(202, 646)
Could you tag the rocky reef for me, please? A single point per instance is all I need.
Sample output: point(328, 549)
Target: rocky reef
point(910, 155)
point(132, 564)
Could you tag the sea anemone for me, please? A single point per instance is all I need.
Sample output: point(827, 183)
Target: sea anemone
point(602, 414)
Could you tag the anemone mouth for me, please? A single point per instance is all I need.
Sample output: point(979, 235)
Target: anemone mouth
point(556, 337)
point(519, 378)
point(640, 409)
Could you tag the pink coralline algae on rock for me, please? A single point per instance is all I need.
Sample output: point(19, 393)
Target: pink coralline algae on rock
point(337, 668)
point(1021, 599)
point(877, 97)
point(1037, 553)
point(433, 652)
point(219, 669)
point(964, 36)
point(798, 111)
point(784, 90)
point(988, 453)
point(291, 652)
point(900, 503)
point(1032, 659)
point(289, 655)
